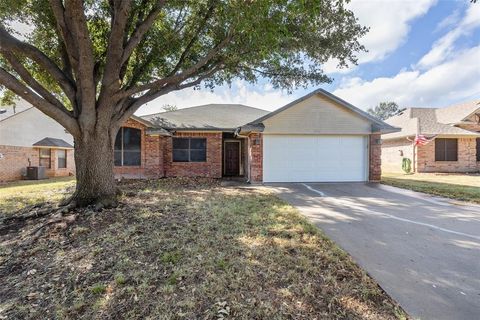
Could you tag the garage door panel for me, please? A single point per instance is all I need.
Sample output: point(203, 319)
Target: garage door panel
point(289, 158)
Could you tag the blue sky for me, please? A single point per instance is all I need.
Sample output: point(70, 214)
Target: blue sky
point(420, 53)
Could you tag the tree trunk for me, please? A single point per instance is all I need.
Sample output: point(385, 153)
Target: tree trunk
point(94, 166)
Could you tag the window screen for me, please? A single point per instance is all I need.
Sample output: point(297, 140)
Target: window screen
point(127, 149)
point(62, 158)
point(446, 149)
point(189, 149)
point(45, 158)
point(478, 149)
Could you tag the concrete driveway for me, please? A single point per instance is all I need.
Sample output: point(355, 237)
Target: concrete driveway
point(423, 251)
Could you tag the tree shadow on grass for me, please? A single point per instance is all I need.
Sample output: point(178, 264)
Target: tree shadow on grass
point(188, 250)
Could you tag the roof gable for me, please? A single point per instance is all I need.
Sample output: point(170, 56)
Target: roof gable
point(457, 113)
point(53, 143)
point(429, 121)
point(377, 124)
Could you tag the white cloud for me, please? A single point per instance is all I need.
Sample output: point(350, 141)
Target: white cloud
point(444, 47)
point(449, 21)
point(389, 23)
point(451, 81)
point(261, 96)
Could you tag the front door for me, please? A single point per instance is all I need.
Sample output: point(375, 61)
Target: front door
point(232, 158)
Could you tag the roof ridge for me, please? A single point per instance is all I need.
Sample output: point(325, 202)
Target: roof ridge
point(203, 105)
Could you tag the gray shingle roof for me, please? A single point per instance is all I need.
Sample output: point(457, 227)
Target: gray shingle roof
point(432, 121)
point(53, 143)
point(457, 113)
point(206, 117)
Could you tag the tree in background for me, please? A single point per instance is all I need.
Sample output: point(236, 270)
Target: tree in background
point(90, 65)
point(385, 110)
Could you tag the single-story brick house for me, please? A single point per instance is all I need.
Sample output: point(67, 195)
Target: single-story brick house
point(454, 132)
point(30, 138)
point(318, 137)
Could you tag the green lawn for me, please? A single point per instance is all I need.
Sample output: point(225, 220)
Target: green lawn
point(17, 195)
point(455, 186)
point(180, 249)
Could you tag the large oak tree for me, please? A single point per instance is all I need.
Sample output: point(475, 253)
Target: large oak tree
point(91, 64)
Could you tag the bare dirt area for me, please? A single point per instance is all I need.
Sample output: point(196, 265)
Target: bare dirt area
point(177, 249)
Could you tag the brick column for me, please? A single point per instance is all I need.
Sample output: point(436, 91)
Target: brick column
point(375, 158)
point(256, 157)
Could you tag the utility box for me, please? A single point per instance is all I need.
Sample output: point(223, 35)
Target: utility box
point(36, 173)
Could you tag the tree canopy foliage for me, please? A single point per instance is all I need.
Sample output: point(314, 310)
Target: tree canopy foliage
point(385, 110)
point(90, 64)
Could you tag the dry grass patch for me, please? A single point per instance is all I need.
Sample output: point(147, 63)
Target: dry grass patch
point(186, 249)
point(465, 187)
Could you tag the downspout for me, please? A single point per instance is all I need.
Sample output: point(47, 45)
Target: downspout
point(236, 133)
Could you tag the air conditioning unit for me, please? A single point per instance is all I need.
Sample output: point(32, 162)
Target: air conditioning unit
point(36, 173)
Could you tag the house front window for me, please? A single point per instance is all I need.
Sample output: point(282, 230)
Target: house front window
point(45, 157)
point(127, 150)
point(61, 158)
point(446, 149)
point(189, 149)
point(478, 149)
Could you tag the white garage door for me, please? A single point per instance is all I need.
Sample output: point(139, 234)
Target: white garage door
point(314, 158)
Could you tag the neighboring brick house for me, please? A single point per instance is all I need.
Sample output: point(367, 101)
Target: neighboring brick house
point(318, 137)
point(454, 132)
point(30, 138)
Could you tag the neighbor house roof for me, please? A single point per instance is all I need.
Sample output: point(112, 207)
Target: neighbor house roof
point(8, 111)
point(432, 121)
point(457, 113)
point(206, 117)
point(378, 125)
point(53, 143)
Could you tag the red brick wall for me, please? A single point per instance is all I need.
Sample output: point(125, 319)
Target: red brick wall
point(375, 158)
point(54, 171)
point(467, 158)
point(256, 157)
point(212, 168)
point(147, 143)
point(14, 162)
point(156, 157)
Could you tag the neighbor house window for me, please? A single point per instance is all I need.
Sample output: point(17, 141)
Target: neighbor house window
point(189, 149)
point(127, 151)
point(446, 149)
point(45, 158)
point(61, 158)
point(478, 149)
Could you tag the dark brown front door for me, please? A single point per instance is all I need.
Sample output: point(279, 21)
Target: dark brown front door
point(232, 158)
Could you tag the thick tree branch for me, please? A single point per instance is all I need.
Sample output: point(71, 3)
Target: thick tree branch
point(141, 30)
point(64, 30)
point(132, 105)
point(180, 77)
point(8, 42)
point(113, 65)
point(61, 116)
point(30, 80)
point(75, 14)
